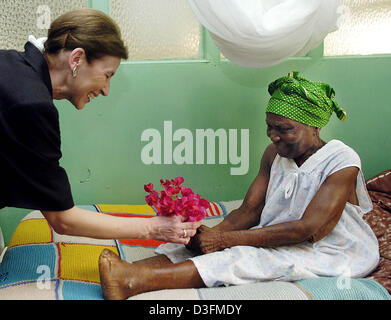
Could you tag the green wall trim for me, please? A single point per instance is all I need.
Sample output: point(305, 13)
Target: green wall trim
point(359, 57)
point(208, 49)
point(316, 52)
point(226, 61)
point(171, 61)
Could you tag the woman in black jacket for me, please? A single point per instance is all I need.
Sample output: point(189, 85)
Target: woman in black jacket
point(77, 61)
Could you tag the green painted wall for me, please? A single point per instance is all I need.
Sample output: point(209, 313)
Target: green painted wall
point(102, 143)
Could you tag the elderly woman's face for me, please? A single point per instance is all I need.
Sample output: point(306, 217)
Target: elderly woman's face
point(93, 79)
point(291, 138)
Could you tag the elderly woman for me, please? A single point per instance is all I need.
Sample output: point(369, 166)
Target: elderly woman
point(301, 217)
point(77, 61)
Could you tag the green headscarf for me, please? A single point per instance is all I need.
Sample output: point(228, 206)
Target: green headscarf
point(303, 100)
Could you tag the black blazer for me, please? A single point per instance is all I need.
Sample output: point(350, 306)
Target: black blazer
point(30, 144)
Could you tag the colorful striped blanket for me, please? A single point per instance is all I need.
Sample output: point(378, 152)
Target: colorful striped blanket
point(41, 264)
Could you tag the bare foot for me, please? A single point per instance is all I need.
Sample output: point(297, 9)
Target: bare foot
point(120, 280)
point(116, 276)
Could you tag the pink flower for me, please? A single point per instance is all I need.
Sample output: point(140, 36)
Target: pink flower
point(177, 181)
point(176, 200)
point(148, 187)
point(166, 183)
point(153, 198)
point(186, 191)
point(171, 191)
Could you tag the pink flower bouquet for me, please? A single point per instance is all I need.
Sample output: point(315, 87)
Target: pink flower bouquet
point(176, 199)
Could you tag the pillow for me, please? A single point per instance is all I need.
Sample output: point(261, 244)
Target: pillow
point(380, 182)
point(379, 219)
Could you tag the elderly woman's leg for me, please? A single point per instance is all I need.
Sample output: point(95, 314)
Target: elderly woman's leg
point(121, 280)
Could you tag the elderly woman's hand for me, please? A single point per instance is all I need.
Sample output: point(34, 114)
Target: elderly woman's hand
point(206, 240)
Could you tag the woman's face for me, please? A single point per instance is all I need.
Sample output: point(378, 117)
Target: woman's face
point(291, 138)
point(92, 79)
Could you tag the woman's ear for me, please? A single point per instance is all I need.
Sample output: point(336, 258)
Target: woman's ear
point(316, 132)
point(76, 57)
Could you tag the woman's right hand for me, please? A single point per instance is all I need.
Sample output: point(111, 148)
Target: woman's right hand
point(172, 229)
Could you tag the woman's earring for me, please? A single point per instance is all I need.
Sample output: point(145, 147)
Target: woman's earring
point(74, 72)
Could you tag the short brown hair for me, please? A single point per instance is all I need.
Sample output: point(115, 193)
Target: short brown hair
point(86, 28)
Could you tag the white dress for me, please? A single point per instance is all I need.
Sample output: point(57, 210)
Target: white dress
point(350, 250)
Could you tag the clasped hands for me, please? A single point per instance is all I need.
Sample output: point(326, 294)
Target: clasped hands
point(206, 240)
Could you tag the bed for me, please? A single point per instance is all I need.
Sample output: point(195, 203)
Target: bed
point(40, 264)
